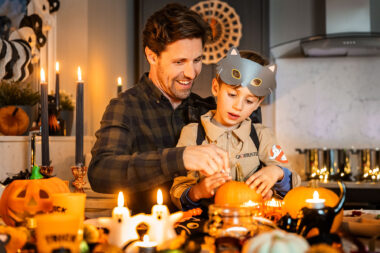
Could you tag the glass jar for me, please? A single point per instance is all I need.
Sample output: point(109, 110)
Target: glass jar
point(232, 221)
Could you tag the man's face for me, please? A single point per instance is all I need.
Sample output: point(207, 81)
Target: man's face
point(176, 68)
point(234, 103)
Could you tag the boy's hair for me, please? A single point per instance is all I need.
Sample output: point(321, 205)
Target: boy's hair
point(171, 23)
point(254, 56)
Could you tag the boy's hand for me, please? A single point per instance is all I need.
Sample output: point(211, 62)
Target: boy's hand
point(208, 159)
point(206, 187)
point(264, 179)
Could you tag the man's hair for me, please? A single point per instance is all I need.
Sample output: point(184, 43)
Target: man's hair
point(171, 23)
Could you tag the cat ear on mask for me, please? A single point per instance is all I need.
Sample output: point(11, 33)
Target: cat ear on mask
point(233, 52)
point(272, 67)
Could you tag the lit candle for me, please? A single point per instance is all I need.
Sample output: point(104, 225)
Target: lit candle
point(57, 85)
point(122, 227)
point(120, 213)
point(146, 246)
point(79, 161)
point(44, 120)
point(316, 202)
point(119, 85)
point(161, 227)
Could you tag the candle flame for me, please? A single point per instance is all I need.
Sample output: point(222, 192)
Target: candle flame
point(57, 67)
point(159, 197)
point(42, 75)
point(119, 81)
point(120, 200)
point(79, 74)
point(315, 195)
point(146, 238)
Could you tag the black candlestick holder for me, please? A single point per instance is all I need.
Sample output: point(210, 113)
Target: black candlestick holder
point(319, 218)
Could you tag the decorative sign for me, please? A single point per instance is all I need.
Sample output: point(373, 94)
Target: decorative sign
point(225, 26)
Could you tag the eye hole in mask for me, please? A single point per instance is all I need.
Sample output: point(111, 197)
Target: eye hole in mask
point(236, 74)
point(256, 82)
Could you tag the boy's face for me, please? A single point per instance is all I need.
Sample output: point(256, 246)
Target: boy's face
point(234, 103)
point(176, 68)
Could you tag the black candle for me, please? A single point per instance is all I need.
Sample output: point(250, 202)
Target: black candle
point(57, 85)
point(79, 161)
point(119, 85)
point(44, 121)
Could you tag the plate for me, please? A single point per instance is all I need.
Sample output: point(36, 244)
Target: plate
point(364, 224)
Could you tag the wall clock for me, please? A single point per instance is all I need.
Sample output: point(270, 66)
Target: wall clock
point(225, 26)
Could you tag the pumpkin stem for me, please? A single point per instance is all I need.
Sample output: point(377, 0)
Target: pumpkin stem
point(36, 173)
point(14, 111)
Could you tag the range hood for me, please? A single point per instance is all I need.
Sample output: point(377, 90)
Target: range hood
point(351, 28)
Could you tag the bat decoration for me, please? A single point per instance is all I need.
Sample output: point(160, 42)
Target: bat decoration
point(35, 22)
point(54, 5)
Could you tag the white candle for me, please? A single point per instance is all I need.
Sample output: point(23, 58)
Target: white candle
point(120, 213)
point(146, 246)
point(316, 202)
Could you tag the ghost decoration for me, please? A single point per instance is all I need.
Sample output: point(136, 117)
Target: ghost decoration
point(42, 9)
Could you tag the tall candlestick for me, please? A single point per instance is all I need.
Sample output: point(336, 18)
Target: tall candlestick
point(57, 85)
point(79, 161)
point(44, 120)
point(119, 85)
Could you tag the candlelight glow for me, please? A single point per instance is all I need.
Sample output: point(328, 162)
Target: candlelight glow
point(273, 203)
point(57, 67)
point(159, 197)
point(315, 195)
point(79, 74)
point(119, 81)
point(120, 200)
point(42, 75)
point(249, 203)
point(146, 238)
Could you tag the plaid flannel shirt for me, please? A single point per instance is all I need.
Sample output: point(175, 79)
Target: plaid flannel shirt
point(135, 148)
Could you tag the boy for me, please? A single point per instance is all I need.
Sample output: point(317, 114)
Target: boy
point(255, 157)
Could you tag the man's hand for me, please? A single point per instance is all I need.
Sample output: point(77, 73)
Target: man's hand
point(264, 179)
point(206, 187)
point(208, 159)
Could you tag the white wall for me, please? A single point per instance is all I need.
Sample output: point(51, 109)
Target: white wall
point(327, 102)
point(93, 34)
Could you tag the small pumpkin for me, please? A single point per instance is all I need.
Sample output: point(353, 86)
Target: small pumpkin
point(234, 193)
point(276, 241)
point(26, 198)
point(295, 200)
point(13, 120)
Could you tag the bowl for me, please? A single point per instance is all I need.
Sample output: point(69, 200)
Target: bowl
point(365, 224)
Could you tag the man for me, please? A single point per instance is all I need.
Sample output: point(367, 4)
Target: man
point(135, 148)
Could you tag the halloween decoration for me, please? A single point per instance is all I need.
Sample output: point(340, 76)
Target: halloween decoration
point(13, 120)
point(295, 200)
point(225, 27)
point(25, 198)
point(235, 193)
point(276, 241)
point(12, 239)
point(320, 219)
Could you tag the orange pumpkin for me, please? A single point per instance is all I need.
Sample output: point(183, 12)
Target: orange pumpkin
point(25, 198)
point(295, 200)
point(15, 238)
point(234, 193)
point(13, 120)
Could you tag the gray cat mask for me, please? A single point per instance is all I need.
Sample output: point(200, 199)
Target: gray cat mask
point(234, 70)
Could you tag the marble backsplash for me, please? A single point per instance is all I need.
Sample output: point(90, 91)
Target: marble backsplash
point(327, 102)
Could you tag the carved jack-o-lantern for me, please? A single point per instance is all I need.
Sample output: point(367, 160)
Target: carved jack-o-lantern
point(26, 198)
